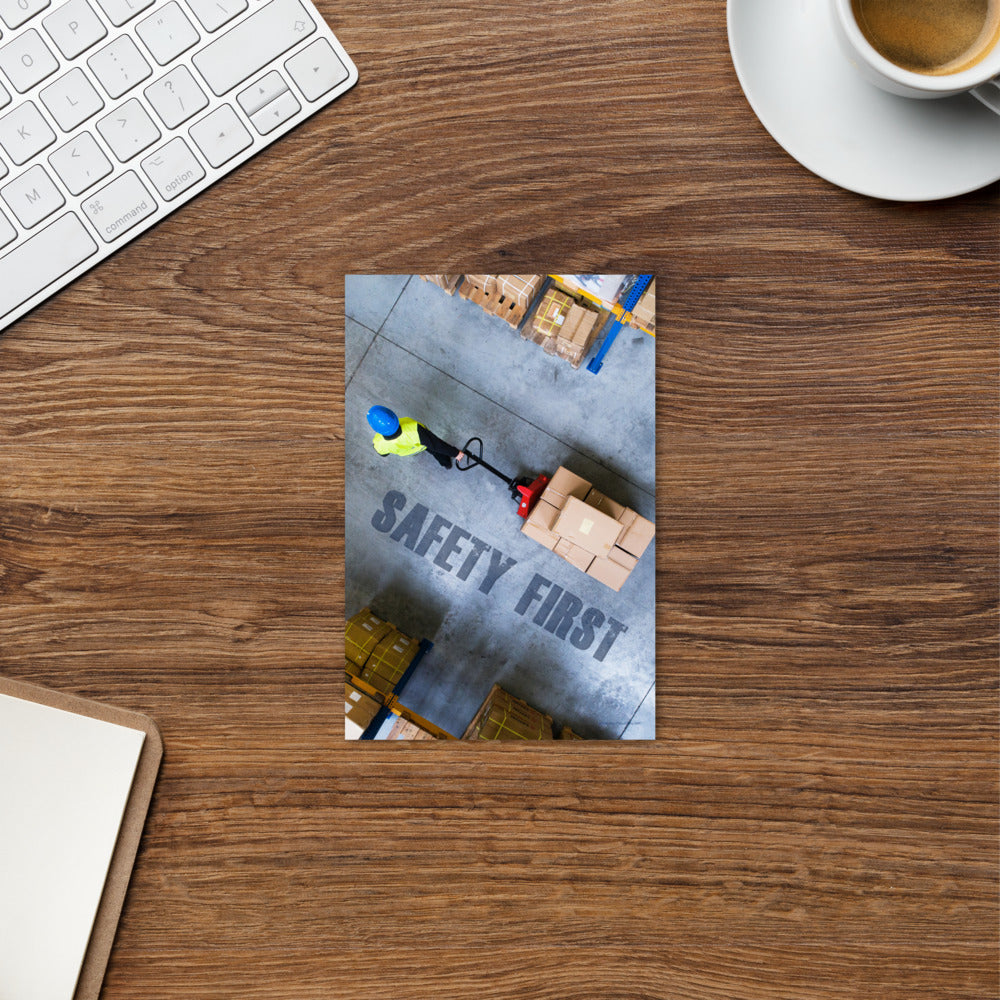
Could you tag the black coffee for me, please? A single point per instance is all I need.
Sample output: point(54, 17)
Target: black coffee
point(930, 36)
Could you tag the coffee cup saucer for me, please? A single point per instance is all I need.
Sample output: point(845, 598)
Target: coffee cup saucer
point(816, 105)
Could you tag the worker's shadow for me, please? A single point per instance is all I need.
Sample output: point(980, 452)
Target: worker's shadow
point(414, 611)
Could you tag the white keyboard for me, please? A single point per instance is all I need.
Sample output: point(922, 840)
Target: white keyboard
point(115, 112)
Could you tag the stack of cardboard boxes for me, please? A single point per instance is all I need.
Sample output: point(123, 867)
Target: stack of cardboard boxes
point(644, 311)
point(505, 295)
point(359, 711)
point(504, 717)
point(377, 651)
point(563, 326)
point(589, 530)
point(404, 729)
point(449, 282)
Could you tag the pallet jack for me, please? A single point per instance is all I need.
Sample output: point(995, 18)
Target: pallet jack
point(525, 491)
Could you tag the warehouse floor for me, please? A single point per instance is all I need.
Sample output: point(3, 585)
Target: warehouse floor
point(439, 552)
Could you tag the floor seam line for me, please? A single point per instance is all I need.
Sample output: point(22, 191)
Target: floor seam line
point(596, 461)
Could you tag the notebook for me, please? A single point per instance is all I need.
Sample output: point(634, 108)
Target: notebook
point(76, 778)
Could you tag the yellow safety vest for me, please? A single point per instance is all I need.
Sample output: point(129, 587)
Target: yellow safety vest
point(408, 442)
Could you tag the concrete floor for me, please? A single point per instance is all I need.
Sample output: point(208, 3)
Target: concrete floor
point(461, 372)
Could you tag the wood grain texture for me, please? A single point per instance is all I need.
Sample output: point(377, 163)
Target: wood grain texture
point(818, 818)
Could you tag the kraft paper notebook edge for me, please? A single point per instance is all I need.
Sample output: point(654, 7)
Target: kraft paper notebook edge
point(102, 936)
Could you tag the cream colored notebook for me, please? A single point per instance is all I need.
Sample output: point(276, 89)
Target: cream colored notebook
point(75, 782)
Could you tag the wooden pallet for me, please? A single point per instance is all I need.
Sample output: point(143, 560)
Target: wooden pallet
point(506, 308)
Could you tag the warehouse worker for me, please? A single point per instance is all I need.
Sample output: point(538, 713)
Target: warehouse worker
point(406, 437)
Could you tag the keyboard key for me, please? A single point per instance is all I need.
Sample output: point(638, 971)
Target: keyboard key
point(32, 196)
point(119, 207)
point(176, 97)
point(74, 27)
point(220, 135)
point(7, 231)
point(16, 12)
point(34, 265)
point(254, 42)
point(27, 60)
point(25, 133)
point(4, 96)
point(213, 14)
point(80, 164)
point(120, 11)
point(167, 33)
point(3, 170)
point(316, 70)
point(72, 99)
point(119, 66)
point(276, 113)
point(128, 130)
point(265, 90)
point(173, 169)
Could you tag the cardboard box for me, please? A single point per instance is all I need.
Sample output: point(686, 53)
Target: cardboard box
point(403, 729)
point(521, 287)
point(623, 558)
point(605, 287)
point(550, 316)
point(547, 538)
point(587, 527)
point(543, 515)
point(504, 717)
point(389, 660)
point(596, 499)
point(611, 574)
point(449, 282)
point(364, 632)
point(637, 536)
point(644, 312)
point(567, 734)
point(627, 517)
point(565, 484)
point(486, 282)
point(574, 554)
point(359, 708)
point(578, 327)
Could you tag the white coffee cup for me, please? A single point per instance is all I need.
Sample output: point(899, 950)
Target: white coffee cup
point(982, 79)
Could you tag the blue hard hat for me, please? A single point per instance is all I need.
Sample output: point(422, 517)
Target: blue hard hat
point(383, 420)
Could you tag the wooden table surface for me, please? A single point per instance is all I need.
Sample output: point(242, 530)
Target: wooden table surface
point(818, 818)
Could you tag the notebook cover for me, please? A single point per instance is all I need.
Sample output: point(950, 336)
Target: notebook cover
point(109, 909)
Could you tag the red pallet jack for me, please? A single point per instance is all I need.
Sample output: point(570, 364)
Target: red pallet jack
point(524, 490)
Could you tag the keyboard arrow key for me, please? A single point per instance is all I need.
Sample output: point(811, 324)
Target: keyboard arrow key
point(316, 70)
point(279, 111)
point(221, 135)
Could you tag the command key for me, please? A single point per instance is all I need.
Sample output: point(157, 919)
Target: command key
point(120, 206)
